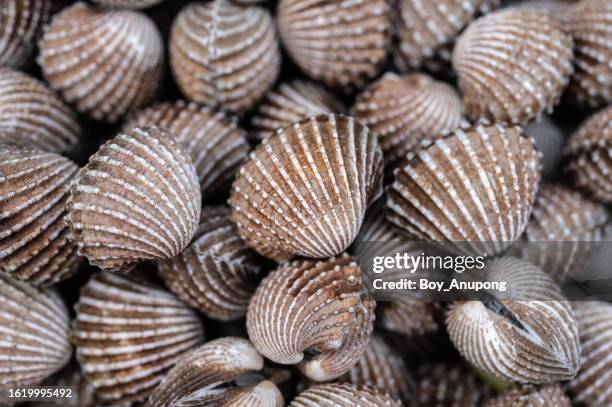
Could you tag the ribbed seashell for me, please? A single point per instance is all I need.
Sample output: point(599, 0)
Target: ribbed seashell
point(490, 59)
point(343, 395)
point(34, 339)
point(215, 143)
point(137, 199)
point(411, 317)
point(550, 395)
point(32, 115)
point(343, 44)
point(291, 102)
point(592, 384)
point(34, 187)
point(105, 62)
point(591, 27)
point(304, 191)
point(128, 334)
point(588, 155)
point(83, 393)
point(133, 4)
point(224, 373)
point(549, 140)
point(475, 186)
point(326, 323)
point(224, 54)
point(217, 273)
point(403, 110)
point(528, 336)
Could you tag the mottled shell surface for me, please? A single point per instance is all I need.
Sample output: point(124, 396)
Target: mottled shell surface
point(32, 115)
point(490, 59)
point(343, 395)
point(224, 54)
point(217, 274)
point(128, 334)
point(211, 376)
point(133, 4)
point(476, 185)
point(137, 199)
point(304, 191)
point(34, 339)
point(549, 140)
point(291, 102)
point(342, 43)
point(528, 336)
point(217, 146)
point(550, 395)
point(34, 188)
point(404, 110)
point(105, 62)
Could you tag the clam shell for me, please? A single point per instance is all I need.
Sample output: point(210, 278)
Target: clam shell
point(133, 4)
point(211, 375)
point(343, 44)
point(291, 102)
point(32, 115)
point(304, 190)
point(105, 62)
point(490, 59)
point(128, 334)
point(137, 199)
point(217, 274)
point(343, 395)
point(550, 395)
point(549, 140)
point(216, 145)
point(529, 336)
point(34, 188)
point(224, 54)
point(475, 186)
point(34, 339)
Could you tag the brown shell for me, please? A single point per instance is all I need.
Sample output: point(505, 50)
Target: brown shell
point(211, 376)
point(83, 393)
point(128, 334)
point(343, 44)
point(34, 188)
point(490, 59)
point(33, 116)
point(224, 54)
point(137, 199)
point(215, 143)
point(549, 140)
point(550, 395)
point(217, 274)
point(343, 395)
point(133, 4)
point(105, 62)
point(411, 317)
point(304, 190)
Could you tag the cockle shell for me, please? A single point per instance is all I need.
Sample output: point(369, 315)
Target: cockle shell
point(528, 336)
point(476, 186)
point(216, 145)
point(128, 334)
point(32, 115)
point(134, 4)
point(343, 395)
point(224, 54)
point(326, 324)
point(217, 273)
point(592, 386)
point(403, 110)
point(34, 187)
point(550, 395)
point(304, 190)
point(343, 44)
point(137, 199)
point(220, 373)
point(411, 317)
point(34, 339)
point(105, 62)
point(490, 59)
point(549, 140)
point(291, 102)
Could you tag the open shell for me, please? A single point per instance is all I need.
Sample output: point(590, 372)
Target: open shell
point(550, 395)
point(343, 395)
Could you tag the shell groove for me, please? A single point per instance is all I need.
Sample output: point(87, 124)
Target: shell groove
point(210, 376)
point(403, 110)
point(343, 395)
point(133, 4)
point(128, 334)
point(34, 339)
point(224, 54)
point(32, 115)
point(342, 43)
point(34, 188)
point(137, 199)
point(527, 395)
point(105, 62)
point(549, 140)
point(217, 274)
point(217, 146)
point(476, 186)
point(490, 59)
point(304, 191)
